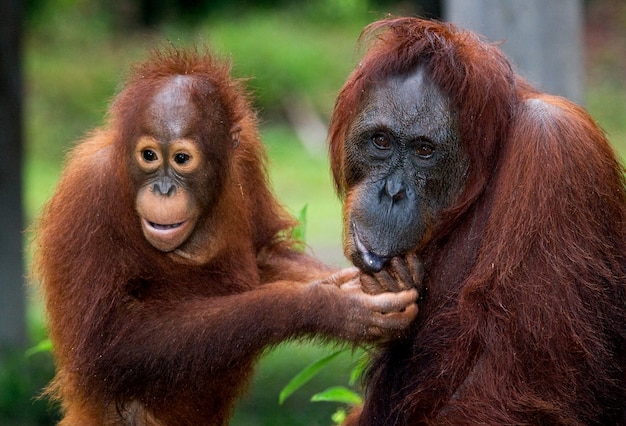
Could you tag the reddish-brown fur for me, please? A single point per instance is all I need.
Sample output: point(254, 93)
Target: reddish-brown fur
point(147, 337)
point(524, 312)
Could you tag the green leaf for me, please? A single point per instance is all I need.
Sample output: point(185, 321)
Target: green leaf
point(299, 231)
point(305, 376)
point(339, 416)
point(339, 394)
point(43, 346)
point(358, 370)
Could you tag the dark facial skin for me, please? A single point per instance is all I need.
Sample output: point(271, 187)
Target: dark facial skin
point(404, 166)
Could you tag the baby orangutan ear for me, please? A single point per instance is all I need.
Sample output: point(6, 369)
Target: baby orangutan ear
point(235, 131)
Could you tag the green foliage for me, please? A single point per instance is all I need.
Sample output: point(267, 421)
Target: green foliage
point(298, 178)
point(335, 394)
point(299, 232)
point(340, 394)
point(339, 416)
point(607, 104)
point(357, 371)
point(305, 376)
point(43, 346)
point(278, 367)
point(21, 381)
point(290, 54)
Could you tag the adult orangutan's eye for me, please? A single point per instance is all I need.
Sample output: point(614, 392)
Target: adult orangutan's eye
point(381, 141)
point(425, 150)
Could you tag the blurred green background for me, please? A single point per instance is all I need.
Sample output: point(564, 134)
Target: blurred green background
point(296, 57)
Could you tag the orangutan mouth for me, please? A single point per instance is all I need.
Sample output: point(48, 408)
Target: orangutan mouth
point(162, 227)
point(371, 260)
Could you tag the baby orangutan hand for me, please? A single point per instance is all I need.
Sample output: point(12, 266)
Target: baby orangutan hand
point(366, 316)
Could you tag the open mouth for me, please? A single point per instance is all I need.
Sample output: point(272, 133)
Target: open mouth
point(162, 227)
point(370, 260)
point(166, 236)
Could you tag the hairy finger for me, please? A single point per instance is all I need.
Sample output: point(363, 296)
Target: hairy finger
point(395, 320)
point(416, 268)
point(340, 277)
point(370, 285)
point(387, 281)
point(352, 286)
point(393, 302)
point(402, 275)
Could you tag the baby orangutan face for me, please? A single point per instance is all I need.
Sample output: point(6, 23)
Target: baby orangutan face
point(167, 159)
point(170, 167)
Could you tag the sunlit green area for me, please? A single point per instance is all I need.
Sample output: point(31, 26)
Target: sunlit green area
point(295, 58)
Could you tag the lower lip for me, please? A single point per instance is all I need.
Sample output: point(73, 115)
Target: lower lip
point(374, 263)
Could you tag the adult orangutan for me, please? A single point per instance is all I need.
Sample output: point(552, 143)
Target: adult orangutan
point(516, 204)
point(165, 259)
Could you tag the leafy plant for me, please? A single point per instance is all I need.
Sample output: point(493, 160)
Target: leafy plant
point(299, 231)
point(43, 346)
point(337, 394)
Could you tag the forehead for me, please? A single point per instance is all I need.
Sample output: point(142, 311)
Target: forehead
point(407, 97)
point(172, 111)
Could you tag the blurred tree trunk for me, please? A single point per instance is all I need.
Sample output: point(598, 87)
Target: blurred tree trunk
point(543, 39)
point(12, 298)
